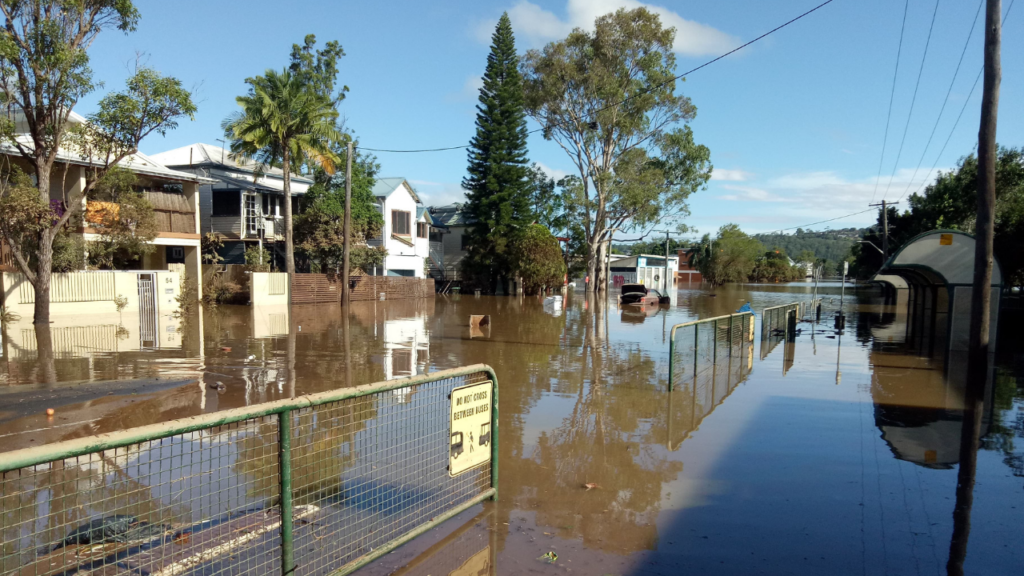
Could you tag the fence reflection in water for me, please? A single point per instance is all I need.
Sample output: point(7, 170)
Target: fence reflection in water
point(323, 483)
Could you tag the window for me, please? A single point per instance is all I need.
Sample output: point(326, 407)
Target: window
point(421, 229)
point(227, 203)
point(400, 223)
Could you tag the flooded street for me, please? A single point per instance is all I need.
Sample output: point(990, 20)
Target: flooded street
point(833, 454)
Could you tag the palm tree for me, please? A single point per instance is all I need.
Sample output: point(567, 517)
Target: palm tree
point(284, 121)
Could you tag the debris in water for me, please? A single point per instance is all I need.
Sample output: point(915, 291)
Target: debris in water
point(219, 387)
point(225, 348)
point(590, 486)
point(551, 557)
point(479, 319)
point(49, 411)
point(250, 358)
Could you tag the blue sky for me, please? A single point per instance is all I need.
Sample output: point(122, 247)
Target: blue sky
point(794, 123)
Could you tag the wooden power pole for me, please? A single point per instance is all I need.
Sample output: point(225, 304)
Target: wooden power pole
point(981, 295)
point(345, 291)
point(885, 228)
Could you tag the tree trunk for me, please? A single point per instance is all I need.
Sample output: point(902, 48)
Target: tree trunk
point(602, 255)
point(592, 265)
point(44, 253)
point(289, 246)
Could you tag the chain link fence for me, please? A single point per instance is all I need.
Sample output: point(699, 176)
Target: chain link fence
point(321, 484)
point(696, 347)
point(776, 324)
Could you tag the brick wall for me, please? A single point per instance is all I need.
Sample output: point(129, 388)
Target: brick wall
point(321, 288)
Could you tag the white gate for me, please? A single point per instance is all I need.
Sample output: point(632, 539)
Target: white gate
point(147, 312)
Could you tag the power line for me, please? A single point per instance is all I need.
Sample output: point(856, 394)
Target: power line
point(892, 94)
point(824, 221)
point(970, 33)
point(628, 98)
point(913, 99)
point(959, 116)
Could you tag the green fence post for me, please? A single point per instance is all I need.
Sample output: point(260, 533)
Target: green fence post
point(714, 349)
point(696, 346)
point(671, 356)
point(284, 431)
point(494, 434)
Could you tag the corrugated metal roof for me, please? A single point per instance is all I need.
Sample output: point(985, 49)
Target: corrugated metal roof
point(451, 215)
point(264, 185)
point(138, 162)
point(199, 154)
point(385, 187)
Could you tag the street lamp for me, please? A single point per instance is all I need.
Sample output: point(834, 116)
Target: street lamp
point(872, 245)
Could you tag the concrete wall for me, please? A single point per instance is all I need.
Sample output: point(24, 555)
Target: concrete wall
point(269, 288)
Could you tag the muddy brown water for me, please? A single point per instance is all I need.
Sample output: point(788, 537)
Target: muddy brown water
point(830, 455)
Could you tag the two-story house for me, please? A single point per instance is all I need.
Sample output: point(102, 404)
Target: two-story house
point(244, 209)
point(173, 194)
point(448, 244)
point(406, 230)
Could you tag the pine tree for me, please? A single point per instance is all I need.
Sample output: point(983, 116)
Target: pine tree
point(498, 182)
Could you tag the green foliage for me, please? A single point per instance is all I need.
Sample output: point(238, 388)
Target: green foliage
point(257, 259)
point(320, 230)
point(498, 182)
point(774, 266)
point(187, 298)
point(608, 97)
point(832, 245)
point(218, 288)
point(125, 232)
point(318, 69)
point(366, 258)
point(950, 203)
point(538, 259)
point(284, 121)
point(729, 257)
point(68, 252)
point(655, 247)
point(44, 72)
point(210, 246)
point(546, 203)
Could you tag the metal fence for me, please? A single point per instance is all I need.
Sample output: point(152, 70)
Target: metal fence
point(696, 346)
point(321, 484)
point(776, 324)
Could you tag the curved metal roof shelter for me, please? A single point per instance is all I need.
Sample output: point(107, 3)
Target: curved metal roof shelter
point(943, 257)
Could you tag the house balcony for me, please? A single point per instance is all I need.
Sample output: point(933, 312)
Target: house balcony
point(173, 213)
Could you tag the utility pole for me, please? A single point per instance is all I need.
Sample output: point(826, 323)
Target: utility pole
point(885, 228)
point(666, 264)
point(345, 291)
point(981, 294)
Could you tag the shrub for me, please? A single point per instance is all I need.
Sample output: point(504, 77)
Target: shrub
point(538, 259)
point(257, 259)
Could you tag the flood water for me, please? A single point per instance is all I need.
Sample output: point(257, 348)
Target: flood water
point(833, 454)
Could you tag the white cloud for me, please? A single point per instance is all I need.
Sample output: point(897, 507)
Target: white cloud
point(750, 193)
point(538, 26)
point(439, 193)
point(552, 172)
point(725, 174)
point(472, 86)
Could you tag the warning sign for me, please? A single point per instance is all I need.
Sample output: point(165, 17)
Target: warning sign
point(470, 438)
point(945, 239)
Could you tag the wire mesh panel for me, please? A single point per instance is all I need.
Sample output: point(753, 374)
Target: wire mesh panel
point(775, 325)
point(696, 347)
point(311, 485)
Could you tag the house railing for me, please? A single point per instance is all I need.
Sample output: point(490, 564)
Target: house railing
point(327, 482)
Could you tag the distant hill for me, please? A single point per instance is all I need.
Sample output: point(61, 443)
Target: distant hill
point(833, 245)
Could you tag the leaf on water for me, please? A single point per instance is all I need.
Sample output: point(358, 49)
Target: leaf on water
point(551, 557)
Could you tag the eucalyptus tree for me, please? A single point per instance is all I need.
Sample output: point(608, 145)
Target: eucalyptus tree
point(284, 121)
point(44, 72)
point(608, 98)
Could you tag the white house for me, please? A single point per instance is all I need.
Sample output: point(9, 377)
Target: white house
point(644, 269)
point(406, 229)
point(247, 211)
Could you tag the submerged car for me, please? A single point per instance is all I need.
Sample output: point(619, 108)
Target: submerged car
point(640, 295)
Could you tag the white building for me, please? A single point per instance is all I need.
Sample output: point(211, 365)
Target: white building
point(406, 229)
point(448, 244)
point(643, 269)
